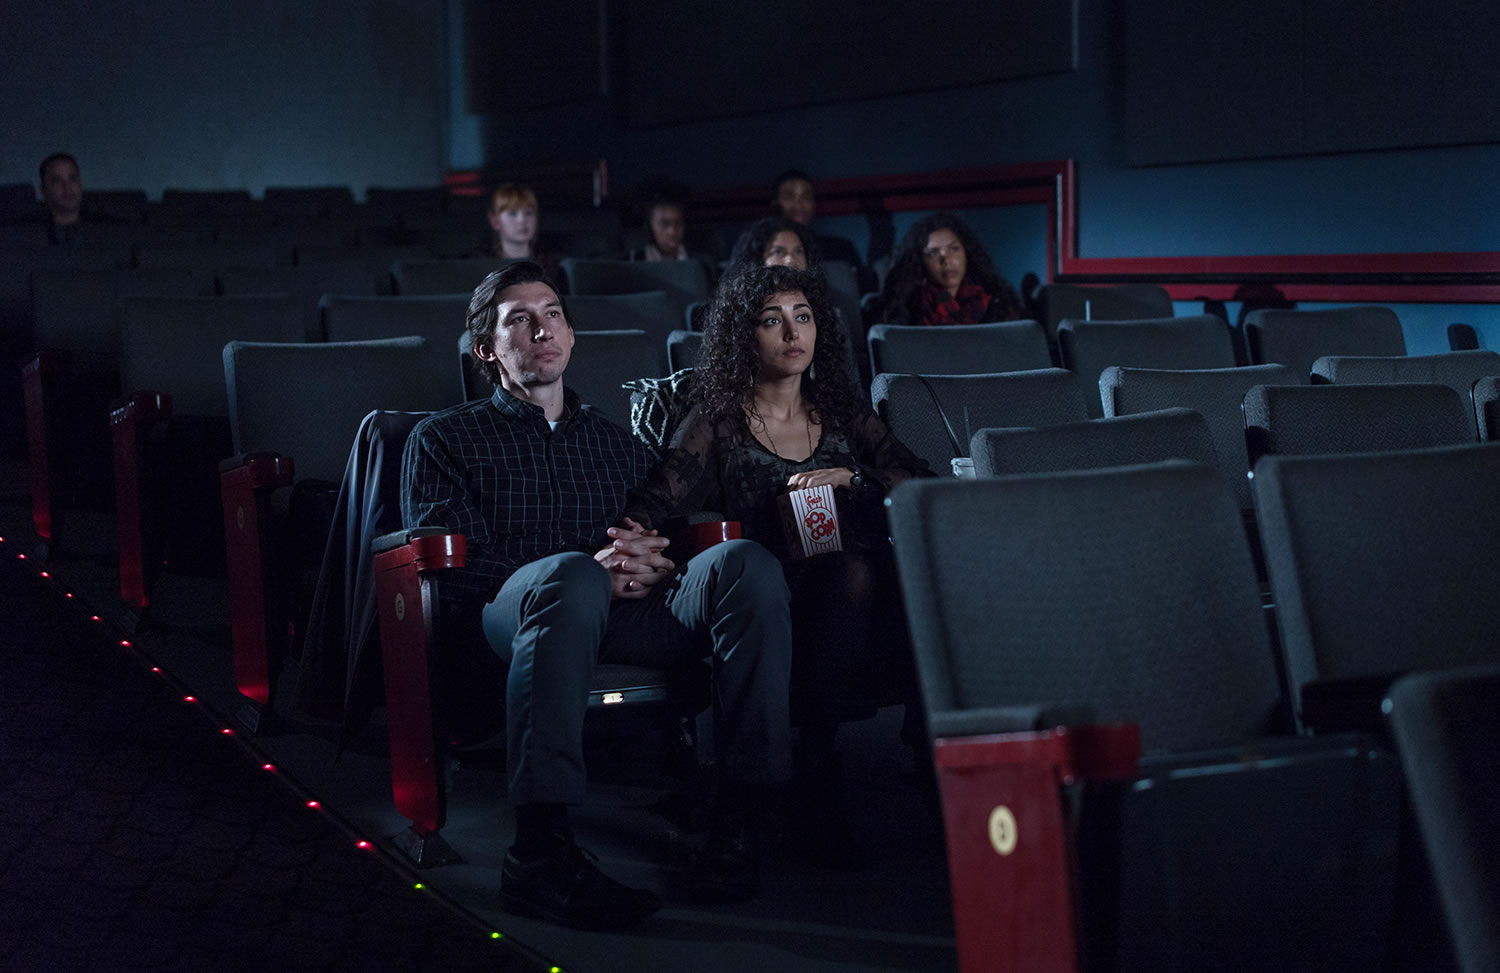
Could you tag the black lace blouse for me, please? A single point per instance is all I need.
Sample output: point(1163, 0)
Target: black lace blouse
point(721, 466)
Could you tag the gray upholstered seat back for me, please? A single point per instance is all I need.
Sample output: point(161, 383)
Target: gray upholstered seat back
point(682, 349)
point(1217, 394)
point(653, 312)
point(307, 400)
point(602, 361)
point(307, 284)
point(176, 344)
point(1447, 730)
point(1089, 347)
point(1487, 407)
point(1383, 562)
point(414, 278)
point(1148, 437)
point(1458, 370)
point(1127, 591)
point(1009, 346)
point(434, 317)
point(917, 410)
point(1299, 338)
point(1301, 419)
point(79, 310)
point(1127, 302)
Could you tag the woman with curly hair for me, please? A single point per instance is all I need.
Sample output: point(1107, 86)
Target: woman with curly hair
point(941, 274)
point(773, 409)
point(775, 240)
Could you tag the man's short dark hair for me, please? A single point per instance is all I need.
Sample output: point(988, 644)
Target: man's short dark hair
point(786, 177)
point(484, 314)
point(41, 170)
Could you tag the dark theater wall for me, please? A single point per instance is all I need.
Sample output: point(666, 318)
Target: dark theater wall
point(248, 93)
point(1394, 200)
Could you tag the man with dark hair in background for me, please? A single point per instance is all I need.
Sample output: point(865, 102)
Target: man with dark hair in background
point(62, 193)
point(534, 478)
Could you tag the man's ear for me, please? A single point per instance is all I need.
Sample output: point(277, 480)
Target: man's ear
point(483, 351)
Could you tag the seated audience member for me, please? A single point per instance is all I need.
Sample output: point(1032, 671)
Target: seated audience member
point(513, 220)
point(772, 409)
point(775, 241)
point(62, 195)
point(941, 274)
point(534, 478)
point(792, 197)
point(666, 225)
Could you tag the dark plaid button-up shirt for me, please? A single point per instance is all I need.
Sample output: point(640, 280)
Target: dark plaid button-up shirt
point(515, 488)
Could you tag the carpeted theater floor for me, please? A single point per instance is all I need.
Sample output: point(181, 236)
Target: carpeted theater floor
point(136, 835)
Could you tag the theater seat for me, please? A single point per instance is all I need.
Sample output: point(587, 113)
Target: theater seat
point(937, 415)
point(1101, 692)
point(307, 284)
point(170, 428)
point(1009, 346)
point(1458, 370)
point(1302, 419)
point(1299, 338)
point(293, 410)
point(683, 348)
point(1381, 563)
point(1089, 347)
point(603, 361)
point(1217, 394)
point(1447, 728)
point(1487, 407)
point(1147, 437)
point(433, 317)
point(1127, 302)
point(73, 378)
point(415, 278)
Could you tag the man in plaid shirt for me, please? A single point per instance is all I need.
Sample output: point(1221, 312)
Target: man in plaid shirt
point(534, 479)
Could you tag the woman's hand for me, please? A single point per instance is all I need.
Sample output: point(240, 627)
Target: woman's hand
point(634, 560)
point(837, 477)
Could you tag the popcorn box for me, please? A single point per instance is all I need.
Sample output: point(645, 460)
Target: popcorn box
point(811, 521)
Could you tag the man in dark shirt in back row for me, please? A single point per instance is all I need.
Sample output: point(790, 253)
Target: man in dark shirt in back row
point(62, 196)
point(533, 478)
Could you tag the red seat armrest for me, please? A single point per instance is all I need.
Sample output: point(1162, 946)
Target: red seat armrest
point(1010, 854)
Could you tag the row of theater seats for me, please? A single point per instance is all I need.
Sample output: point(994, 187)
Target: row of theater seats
point(1135, 776)
point(449, 225)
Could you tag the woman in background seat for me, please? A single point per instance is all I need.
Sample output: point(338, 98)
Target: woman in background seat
point(515, 223)
point(773, 409)
point(775, 241)
point(941, 274)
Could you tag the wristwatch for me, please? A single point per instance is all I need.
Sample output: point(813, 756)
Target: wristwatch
point(858, 482)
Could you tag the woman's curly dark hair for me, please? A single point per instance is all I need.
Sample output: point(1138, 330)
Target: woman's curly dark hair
point(908, 269)
point(750, 248)
point(729, 364)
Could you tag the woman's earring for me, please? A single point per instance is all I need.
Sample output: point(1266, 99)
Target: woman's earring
point(812, 371)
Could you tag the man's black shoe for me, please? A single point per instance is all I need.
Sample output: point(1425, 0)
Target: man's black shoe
point(726, 868)
point(566, 888)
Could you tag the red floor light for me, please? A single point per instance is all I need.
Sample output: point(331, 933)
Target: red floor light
point(270, 767)
point(46, 575)
point(70, 594)
point(95, 618)
point(227, 732)
point(21, 556)
point(361, 844)
point(125, 643)
point(190, 699)
point(312, 803)
point(156, 668)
